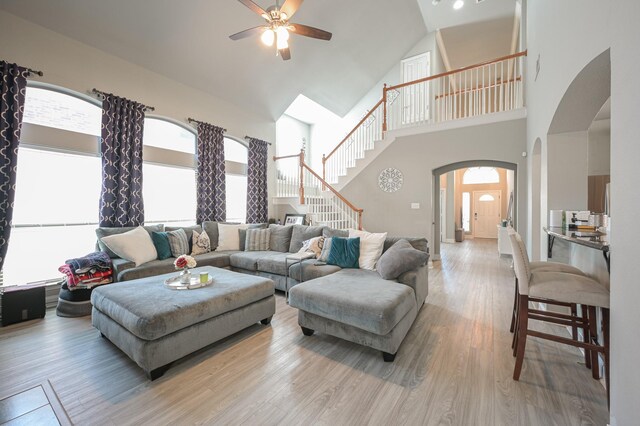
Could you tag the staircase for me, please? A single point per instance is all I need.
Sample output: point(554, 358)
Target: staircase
point(477, 90)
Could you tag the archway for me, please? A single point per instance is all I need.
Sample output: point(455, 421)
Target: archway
point(437, 173)
point(536, 199)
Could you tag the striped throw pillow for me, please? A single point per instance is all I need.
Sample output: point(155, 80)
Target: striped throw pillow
point(178, 242)
point(257, 240)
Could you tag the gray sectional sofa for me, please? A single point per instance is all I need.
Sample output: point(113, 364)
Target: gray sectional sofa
point(353, 304)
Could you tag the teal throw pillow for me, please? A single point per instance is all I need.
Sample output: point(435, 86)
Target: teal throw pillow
point(161, 242)
point(344, 252)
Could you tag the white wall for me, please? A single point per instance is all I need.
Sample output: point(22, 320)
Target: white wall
point(600, 148)
point(70, 63)
point(416, 157)
point(567, 167)
point(625, 176)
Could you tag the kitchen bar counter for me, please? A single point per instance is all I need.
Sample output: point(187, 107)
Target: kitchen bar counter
point(592, 239)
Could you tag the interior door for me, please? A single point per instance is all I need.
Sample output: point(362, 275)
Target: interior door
point(486, 213)
point(415, 97)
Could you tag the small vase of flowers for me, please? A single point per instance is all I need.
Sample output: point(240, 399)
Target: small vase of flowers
point(185, 262)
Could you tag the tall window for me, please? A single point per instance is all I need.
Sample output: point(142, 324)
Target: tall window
point(169, 183)
point(235, 154)
point(475, 175)
point(57, 186)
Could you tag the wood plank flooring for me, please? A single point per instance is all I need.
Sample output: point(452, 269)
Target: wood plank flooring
point(454, 367)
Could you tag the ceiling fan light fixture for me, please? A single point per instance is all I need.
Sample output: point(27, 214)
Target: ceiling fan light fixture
point(457, 5)
point(268, 37)
point(281, 43)
point(283, 34)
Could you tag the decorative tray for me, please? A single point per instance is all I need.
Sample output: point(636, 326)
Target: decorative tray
point(175, 284)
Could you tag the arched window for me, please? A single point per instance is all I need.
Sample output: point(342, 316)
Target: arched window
point(169, 184)
point(478, 175)
point(235, 154)
point(57, 185)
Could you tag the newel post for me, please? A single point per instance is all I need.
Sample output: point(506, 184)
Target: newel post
point(301, 191)
point(324, 170)
point(384, 108)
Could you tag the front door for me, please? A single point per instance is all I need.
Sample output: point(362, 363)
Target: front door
point(486, 213)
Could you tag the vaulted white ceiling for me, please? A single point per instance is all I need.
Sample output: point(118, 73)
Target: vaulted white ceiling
point(188, 41)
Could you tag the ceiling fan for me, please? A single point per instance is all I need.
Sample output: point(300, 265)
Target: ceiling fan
point(278, 26)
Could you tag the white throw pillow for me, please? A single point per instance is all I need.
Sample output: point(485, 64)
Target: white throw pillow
point(371, 246)
point(229, 236)
point(135, 245)
point(201, 243)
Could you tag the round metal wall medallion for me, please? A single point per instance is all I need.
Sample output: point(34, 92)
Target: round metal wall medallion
point(390, 180)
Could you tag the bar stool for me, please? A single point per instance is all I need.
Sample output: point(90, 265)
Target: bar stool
point(541, 266)
point(557, 287)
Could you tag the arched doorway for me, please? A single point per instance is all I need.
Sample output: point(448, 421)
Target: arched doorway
point(537, 208)
point(440, 171)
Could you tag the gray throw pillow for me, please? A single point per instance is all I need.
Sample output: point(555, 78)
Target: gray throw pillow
point(104, 231)
point(331, 232)
point(188, 231)
point(302, 233)
point(400, 258)
point(211, 228)
point(178, 242)
point(257, 239)
point(419, 243)
point(280, 237)
point(243, 234)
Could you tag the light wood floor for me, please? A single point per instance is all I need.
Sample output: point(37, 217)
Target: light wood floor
point(453, 368)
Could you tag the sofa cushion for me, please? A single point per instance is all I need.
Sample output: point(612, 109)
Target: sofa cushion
point(219, 259)
point(280, 239)
point(356, 297)
point(419, 243)
point(274, 264)
point(332, 232)
point(242, 233)
point(344, 252)
point(135, 245)
point(119, 265)
point(157, 267)
point(248, 260)
point(301, 233)
point(326, 249)
point(400, 258)
point(211, 228)
point(370, 247)
point(311, 269)
point(106, 231)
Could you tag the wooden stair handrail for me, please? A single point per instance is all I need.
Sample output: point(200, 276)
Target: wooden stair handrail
point(385, 89)
point(332, 189)
point(444, 74)
point(352, 131)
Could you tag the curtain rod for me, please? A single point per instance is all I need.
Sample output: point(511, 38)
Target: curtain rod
point(103, 95)
point(31, 71)
point(193, 120)
point(249, 137)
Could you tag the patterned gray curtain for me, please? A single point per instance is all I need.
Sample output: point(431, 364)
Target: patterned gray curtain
point(13, 86)
point(121, 201)
point(211, 188)
point(257, 197)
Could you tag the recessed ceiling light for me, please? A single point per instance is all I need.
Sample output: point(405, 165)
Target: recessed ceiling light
point(458, 4)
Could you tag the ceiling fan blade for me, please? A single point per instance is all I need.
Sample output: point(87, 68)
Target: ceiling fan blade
point(290, 7)
point(285, 53)
point(248, 33)
point(308, 31)
point(251, 5)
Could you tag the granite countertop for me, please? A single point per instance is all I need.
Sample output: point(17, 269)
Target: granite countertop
point(593, 239)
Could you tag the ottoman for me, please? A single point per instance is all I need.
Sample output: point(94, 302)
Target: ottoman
point(155, 325)
point(358, 306)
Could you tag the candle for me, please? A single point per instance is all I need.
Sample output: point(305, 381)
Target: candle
point(204, 277)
